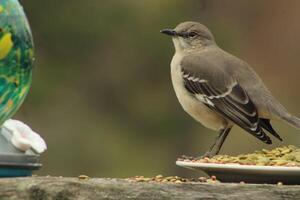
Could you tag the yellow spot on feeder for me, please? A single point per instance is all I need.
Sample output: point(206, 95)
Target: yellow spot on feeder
point(23, 91)
point(1, 9)
point(5, 45)
point(10, 103)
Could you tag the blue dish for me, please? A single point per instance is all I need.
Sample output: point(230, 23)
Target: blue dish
point(14, 165)
point(9, 172)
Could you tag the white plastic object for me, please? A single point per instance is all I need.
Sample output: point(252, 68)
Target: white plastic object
point(23, 137)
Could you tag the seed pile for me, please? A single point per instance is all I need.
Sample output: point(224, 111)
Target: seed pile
point(173, 179)
point(282, 156)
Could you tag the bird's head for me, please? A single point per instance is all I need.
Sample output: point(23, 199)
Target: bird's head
point(190, 35)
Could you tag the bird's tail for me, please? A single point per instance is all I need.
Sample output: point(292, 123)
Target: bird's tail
point(283, 114)
point(292, 120)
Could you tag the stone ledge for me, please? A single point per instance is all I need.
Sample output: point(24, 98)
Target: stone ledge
point(57, 188)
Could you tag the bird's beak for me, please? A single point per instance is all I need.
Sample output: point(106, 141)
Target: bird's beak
point(168, 31)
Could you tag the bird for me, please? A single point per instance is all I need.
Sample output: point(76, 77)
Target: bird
point(16, 58)
point(219, 90)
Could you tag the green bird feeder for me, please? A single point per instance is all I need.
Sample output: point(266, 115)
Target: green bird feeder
point(16, 64)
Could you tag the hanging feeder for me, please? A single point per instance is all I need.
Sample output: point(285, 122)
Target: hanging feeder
point(16, 64)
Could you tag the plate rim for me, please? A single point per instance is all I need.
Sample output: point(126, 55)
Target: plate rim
point(236, 166)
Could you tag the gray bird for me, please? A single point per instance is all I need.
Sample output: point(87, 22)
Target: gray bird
point(220, 90)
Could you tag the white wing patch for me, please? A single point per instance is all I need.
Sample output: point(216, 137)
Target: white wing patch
point(225, 93)
point(194, 79)
point(254, 128)
point(202, 97)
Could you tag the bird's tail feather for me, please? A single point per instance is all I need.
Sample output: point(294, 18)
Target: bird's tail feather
point(292, 120)
point(282, 113)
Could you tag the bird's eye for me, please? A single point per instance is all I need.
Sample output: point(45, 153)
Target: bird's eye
point(192, 34)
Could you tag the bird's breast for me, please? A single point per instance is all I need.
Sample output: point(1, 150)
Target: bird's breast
point(190, 104)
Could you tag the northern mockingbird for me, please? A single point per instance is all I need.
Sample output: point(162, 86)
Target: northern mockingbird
point(220, 90)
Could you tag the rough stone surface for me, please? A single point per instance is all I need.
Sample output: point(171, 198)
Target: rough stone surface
point(56, 188)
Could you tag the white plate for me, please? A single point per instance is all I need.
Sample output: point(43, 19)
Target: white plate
point(246, 173)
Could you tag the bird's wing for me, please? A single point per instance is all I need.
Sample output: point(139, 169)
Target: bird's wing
point(221, 93)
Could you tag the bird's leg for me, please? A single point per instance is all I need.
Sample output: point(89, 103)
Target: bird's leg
point(209, 153)
point(212, 146)
point(216, 147)
point(221, 141)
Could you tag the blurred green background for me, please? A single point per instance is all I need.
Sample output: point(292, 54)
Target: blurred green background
point(102, 96)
